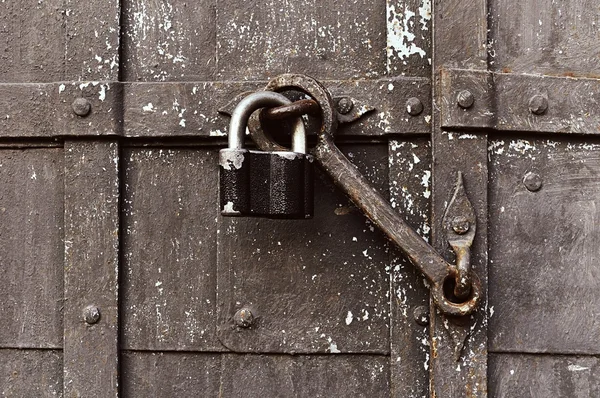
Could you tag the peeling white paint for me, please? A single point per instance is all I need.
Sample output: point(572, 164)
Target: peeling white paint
point(349, 318)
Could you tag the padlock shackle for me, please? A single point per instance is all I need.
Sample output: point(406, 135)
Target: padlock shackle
point(254, 101)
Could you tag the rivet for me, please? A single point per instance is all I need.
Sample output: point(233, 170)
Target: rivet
point(414, 106)
point(538, 104)
point(243, 318)
point(465, 99)
point(532, 181)
point(461, 225)
point(81, 107)
point(421, 315)
point(91, 314)
point(345, 105)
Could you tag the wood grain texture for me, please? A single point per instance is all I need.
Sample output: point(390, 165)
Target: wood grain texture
point(91, 267)
point(305, 376)
point(168, 374)
point(315, 286)
point(544, 277)
point(169, 244)
point(559, 38)
point(542, 376)
point(169, 40)
point(31, 373)
point(55, 40)
point(410, 190)
point(31, 254)
point(327, 40)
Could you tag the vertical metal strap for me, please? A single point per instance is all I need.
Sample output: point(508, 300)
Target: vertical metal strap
point(91, 269)
point(459, 346)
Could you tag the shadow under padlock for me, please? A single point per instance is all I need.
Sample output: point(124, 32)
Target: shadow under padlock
point(277, 184)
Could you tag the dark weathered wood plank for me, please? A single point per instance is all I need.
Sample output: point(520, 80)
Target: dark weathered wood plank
point(327, 40)
point(169, 41)
point(32, 45)
point(544, 275)
point(31, 373)
point(552, 38)
point(409, 29)
point(31, 254)
point(57, 40)
point(542, 376)
point(91, 268)
point(317, 285)
point(170, 225)
point(410, 191)
point(459, 348)
point(168, 374)
point(91, 42)
point(305, 376)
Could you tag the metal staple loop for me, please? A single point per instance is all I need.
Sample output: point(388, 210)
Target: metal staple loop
point(293, 110)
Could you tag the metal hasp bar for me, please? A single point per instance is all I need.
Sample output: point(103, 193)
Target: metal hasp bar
point(436, 270)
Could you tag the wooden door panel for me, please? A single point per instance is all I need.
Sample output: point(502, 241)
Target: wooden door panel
point(170, 212)
point(31, 373)
point(305, 376)
point(541, 376)
point(554, 38)
point(170, 374)
point(31, 253)
point(544, 274)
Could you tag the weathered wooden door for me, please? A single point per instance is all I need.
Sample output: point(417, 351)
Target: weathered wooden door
point(119, 276)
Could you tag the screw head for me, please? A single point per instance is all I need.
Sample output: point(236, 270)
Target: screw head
point(421, 315)
point(81, 107)
point(465, 99)
point(91, 314)
point(345, 105)
point(532, 181)
point(414, 106)
point(538, 104)
point(243, 318)
point(461, 225)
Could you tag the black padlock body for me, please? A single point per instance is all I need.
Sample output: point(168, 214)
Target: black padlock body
point(278, 185)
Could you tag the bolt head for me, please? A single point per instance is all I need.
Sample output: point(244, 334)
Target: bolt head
point(243, 318)
point(414, 106)
point(538, 104)
point(421, 315)
point(91, 314)
point(461, 225)
point(532, 181)
point(465, 99)
point(345, 105)
point(81, 107)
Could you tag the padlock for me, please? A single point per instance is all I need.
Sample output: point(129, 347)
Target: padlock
point(276, 184)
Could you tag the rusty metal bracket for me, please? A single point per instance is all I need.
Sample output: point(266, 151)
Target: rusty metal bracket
point(345, 175)
point(516, 102)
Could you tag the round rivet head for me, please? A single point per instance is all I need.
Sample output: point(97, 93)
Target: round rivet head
point(532, 181)
point(91, 314)
point(414, 106)
point(243, 318)
point(345, 105)
point(538, 104)
point(465, 99)
point(81, 107)
point(421, 315)
point(461, 225)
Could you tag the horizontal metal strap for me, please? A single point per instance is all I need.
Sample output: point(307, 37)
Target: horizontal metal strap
point(185, 109)
point(517, 102)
